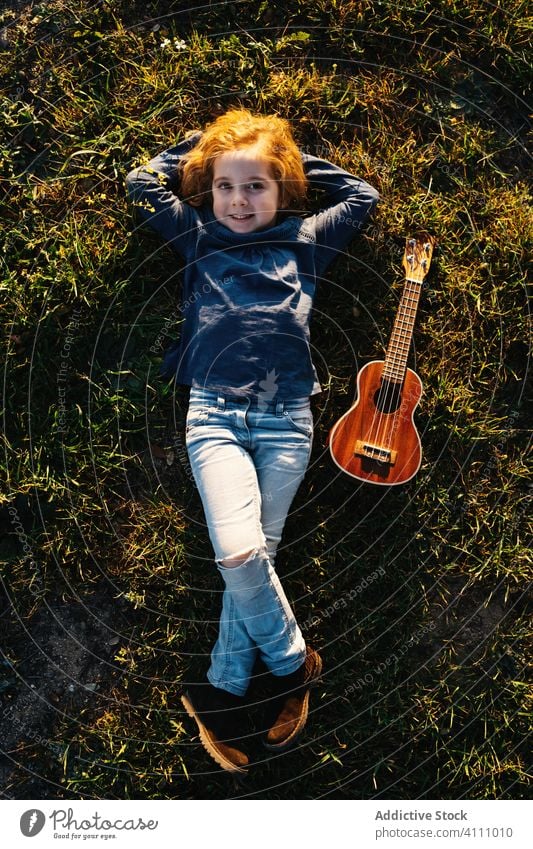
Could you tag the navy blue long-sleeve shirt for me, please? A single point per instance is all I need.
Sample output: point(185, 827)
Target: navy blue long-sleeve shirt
point(247, 298)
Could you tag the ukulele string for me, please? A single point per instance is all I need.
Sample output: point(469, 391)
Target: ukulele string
point(379, 419)
point(400, 359)
point(380, 422)
point(412, 297)
point(385, 396)
point(397, 362)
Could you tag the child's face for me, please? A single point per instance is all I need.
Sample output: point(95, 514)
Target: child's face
point(245, 195)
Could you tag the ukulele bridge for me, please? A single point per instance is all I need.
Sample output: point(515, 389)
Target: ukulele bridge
point(375, 452)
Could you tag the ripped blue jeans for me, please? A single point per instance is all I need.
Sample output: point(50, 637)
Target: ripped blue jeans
point(248, 457)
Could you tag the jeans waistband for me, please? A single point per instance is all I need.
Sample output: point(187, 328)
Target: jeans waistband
point(261, 402)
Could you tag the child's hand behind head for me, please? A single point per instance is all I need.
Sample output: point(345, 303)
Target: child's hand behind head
point(248, 166)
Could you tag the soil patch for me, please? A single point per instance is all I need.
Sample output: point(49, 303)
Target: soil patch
point(55, 664)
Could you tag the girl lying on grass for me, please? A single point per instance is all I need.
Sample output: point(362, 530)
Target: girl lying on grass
point(228, 202)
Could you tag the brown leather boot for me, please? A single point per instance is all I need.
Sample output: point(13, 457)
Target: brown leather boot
point(218, 716)
point(287, 708)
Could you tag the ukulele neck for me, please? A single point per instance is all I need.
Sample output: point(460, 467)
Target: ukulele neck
point(402, 333)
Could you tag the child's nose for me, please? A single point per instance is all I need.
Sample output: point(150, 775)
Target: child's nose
point(239, 195)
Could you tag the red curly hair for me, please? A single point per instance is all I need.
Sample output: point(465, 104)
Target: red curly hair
point(238, 129)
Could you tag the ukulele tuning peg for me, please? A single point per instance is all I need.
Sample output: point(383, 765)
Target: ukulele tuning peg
point(411, 259)
point(412, 243)
point(427, 247)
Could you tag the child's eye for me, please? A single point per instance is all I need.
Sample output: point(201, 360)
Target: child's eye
point(256, 187)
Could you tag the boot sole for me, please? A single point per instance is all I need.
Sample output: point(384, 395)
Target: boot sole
point(291, 739)
point(212, 750)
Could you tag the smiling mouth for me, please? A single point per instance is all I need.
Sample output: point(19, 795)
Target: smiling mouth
point(242, 217)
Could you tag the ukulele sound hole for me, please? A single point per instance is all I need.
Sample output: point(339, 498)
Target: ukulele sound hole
point(388, 397)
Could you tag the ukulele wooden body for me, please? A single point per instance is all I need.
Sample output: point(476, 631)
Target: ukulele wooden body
point(376, 440)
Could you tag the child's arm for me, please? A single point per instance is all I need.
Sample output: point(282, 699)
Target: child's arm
point(152, 189)
point(348, 202)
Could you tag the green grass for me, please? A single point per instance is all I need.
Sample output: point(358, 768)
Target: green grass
point(427, 102)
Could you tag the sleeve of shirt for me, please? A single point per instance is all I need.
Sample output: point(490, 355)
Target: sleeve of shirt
point(152, 190)
point(347, 203)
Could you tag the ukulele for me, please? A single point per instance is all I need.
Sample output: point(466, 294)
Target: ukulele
point(376, 441)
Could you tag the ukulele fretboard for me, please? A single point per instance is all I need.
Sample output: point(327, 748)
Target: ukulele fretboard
point(402, 333)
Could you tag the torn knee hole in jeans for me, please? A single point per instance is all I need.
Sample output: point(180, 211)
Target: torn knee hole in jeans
point(239, 559)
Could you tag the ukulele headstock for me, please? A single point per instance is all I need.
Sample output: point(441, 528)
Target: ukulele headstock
point(417, 256)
